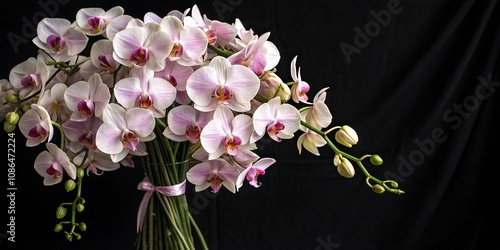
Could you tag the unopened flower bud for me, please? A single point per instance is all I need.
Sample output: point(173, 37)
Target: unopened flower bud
point(61, 212)
point(78, 236)
point(80, 172)
point(394, 184)
point(58, 228)
point(345, 168)
point(378, 189)
point(69, 185)
point(69, 237)
point(12, 117)
point(12, 98)
point(284, 92)
point(82, 200)
point(80, 207)
point(82, 226)
point(336, 160)
point(346, 136)
point(26, 107)
point(376, 160)
point(7, 127)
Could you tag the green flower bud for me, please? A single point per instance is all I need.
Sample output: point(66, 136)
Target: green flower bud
point(394, 184)
point(7, 127)
point(78, 236)
point(82, 226)
point(58, 228)
point(69, 185)
point(12, 98)
point(69, 237)
point(376, 160)
point(346, 136)
point(26, 107)
point(82, 200)
point(80, 207)
point(12, 117)
point(378, 189)
point(61, 212)
point(80, 172)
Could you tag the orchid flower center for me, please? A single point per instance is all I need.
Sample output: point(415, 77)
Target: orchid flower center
point(215, 182)
point(193, 132)
point(104, 63)
point(171, 79)
point(231, 143)
point(95, 24)
point(274, 129)
point(222, 94)
point(38, 131)
point(252, 176)
point(86, 107)
point(212, 37)
point(29, 80)
point(177, 51)
point(140, 56)
point(93, 168)
point(56, 43)
point(55, 170)
point(145, 101)
point(129, 140)
point(88, 140)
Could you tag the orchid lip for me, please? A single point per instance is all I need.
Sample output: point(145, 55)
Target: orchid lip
point(140, 56)
point(56, 43)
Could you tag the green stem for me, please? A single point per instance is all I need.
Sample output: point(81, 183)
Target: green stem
point(220, 52)
point(357, 160)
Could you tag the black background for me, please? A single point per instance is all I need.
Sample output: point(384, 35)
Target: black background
point(417, 75)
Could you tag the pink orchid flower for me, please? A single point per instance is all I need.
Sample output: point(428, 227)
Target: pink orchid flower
point(225, 133)
point(280, 121)
point(214, 174)
point(96, 162)
point(81, 134)
point(252, 172)
point(318, 115)
point(124, 130)
point(222, 84)
point(59, 38)
point(28, 77)
point(53, 101)
point(52, 164)
point(300, 88)
point(36, 126)
point(189, 43)
point(86, 99)
point(216, 31)
point(142, 89)
point(177, 75)
point(186, 123)
point(257, 56)
point(145, 46)
point(93, 21)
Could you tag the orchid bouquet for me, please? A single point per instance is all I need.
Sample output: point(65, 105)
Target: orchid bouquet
point(186, 97)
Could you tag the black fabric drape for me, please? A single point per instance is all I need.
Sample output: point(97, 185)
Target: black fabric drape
point(418, 81)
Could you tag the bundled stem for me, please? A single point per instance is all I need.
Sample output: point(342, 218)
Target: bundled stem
point(168, 223)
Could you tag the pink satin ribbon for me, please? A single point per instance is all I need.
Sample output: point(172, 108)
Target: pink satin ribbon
point(146, 185)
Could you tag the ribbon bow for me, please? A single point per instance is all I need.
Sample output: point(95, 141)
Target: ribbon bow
point(146, 185)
